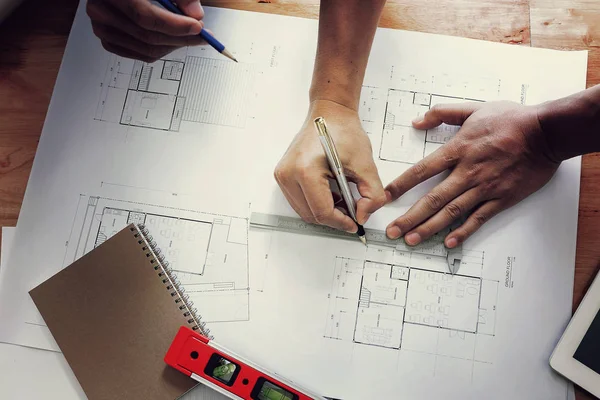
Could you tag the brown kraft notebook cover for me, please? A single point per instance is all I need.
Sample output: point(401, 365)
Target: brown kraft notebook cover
point(114, 319)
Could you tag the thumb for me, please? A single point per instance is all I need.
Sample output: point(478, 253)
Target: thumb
point(191, 8)
point(451, 114)
point(372, 194)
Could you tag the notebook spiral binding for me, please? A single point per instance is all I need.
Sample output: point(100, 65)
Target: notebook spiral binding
point(169, 278)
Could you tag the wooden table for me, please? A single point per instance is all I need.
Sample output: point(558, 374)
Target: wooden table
point(33, 39)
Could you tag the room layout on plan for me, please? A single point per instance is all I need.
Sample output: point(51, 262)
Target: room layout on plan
point(406, 301)
point(207, 252)
point(387, 111)
point(400, 142)
point(179, 87)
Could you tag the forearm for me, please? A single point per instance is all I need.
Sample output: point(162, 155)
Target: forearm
point(346, 31)
point(572, 124)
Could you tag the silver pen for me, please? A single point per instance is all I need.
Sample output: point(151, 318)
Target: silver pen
point(335, 165)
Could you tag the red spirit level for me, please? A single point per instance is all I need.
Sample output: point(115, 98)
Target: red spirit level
point(212, 365)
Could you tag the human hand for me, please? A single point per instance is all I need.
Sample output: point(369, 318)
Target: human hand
point(303, 173)
point(140, 30)
point(498, 157)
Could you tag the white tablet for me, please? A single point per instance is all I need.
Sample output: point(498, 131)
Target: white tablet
point(577, 355)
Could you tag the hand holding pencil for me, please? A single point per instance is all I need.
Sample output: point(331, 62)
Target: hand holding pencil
point(143, 31)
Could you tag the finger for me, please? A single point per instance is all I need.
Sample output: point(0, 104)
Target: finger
point(451, 114)
point(123, 52)
point(428, 205)
point(151, 52)
point(191, 8)
point(342, 210)
point(371, 190)
point(451, 212)
point(104, 14)
point(318, 196)
point(473, 223)
point(294, 195)
point(440, 160)
point(154, 18)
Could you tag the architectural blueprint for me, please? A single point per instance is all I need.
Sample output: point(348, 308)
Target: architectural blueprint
point(208, 252)
point(387, 111)
point(177, 88)
point(397, 308)
point(397, 140)
point(366, 293)
point(188, 145)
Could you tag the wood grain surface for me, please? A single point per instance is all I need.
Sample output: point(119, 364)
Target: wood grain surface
point(33, 39)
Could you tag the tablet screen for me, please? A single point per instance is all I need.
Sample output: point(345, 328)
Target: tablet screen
point(588, 352)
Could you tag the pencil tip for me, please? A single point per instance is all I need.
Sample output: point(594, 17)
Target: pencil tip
point(227, 54)
point(363, 240)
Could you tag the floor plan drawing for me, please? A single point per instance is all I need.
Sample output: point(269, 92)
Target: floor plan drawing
point(387, 115)
point(350, 321)
point(401, 142)
point(402, 302)
point(387, 112)
point(179, 87)
point(369, 110)
point(208, 252)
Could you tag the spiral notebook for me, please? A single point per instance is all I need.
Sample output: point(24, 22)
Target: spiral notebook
point(114, 313)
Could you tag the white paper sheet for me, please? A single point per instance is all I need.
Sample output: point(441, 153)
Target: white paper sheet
point(8, 234)
point(20, 365)
point(192, 141)
point(52, 377)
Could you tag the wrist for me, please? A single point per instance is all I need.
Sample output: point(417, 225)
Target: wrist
point(335, 90)
point(330, 108)
point(570, 126)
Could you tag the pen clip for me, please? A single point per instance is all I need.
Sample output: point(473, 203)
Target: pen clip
point(328, 144)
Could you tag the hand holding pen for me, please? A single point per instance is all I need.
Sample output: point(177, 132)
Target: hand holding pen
point(304, 173)
point(337, 169)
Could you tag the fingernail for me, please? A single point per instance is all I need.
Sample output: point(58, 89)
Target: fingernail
point(413, 239)
point(417, 120)
point(393, 232)
point(353, 230)
point(388, 196)
point(194, 10)
point(365, 219)
point(195, 29)
point(451, 243)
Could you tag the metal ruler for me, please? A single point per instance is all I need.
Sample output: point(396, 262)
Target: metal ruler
point(433, 246)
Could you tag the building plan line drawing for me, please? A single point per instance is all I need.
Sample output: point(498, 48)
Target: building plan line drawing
point(393, 303)
point(401, 142)
point(208, 252)
point(179, 87)
point(393, 320)
point(370, 97)
point(387, 113)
